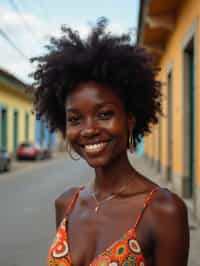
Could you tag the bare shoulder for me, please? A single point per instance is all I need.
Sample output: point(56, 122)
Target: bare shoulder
point(168, 218)
point(167, 203)
point(63, 199)
point(62, 202)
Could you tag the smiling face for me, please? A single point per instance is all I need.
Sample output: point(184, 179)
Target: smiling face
point(97, 124)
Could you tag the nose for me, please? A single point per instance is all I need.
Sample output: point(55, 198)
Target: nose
point(89, 128)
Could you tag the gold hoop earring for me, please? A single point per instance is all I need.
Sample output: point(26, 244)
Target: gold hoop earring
point(131, 143)
point(69, 151)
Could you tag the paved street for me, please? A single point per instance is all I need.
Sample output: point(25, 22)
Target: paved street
point(27, 208)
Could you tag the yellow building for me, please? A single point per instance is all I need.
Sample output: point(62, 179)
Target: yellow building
point(17, 123)
point(171, 31)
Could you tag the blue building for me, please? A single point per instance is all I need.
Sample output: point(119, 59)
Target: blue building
point(43, 136)
point(140, 148)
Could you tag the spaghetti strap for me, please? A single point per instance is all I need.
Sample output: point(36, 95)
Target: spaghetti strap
point(146, 202)
point(73, 200)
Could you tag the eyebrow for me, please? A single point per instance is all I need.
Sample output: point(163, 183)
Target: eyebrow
point(71, 110)
point(98, 105)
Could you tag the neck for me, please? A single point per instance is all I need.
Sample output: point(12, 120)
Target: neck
point(111, 178)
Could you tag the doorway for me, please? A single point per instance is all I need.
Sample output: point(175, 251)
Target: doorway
point(4, 129)
point(170, 124)
point(15, 129)
point(189, 119)
point(27, 127)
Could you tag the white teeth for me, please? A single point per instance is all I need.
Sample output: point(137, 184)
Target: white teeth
point(95, 146)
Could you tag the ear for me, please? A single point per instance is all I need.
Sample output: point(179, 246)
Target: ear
point(131, 122)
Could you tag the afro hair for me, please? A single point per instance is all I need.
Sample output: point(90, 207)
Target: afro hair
point(104, 58)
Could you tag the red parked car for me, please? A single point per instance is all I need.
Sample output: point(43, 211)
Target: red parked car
point(30, 151)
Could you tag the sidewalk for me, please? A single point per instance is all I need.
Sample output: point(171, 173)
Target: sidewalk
point(144, 167)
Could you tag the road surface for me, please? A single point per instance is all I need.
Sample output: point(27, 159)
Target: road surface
point(27, 219)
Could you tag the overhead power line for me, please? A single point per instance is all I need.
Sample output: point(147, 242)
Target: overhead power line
point(12, 44)
point(26, 25)
point(40, 7)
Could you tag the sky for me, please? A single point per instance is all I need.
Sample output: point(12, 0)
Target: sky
point(26, 25)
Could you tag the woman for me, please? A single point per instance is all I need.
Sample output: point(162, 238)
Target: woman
point(101, 93)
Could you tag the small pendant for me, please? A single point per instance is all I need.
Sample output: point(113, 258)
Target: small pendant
point(97, 208)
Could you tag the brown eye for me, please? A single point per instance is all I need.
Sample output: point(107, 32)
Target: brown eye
point(74, 120)
point(105, 115)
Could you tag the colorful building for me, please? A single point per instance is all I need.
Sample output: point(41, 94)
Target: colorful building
point(43, 136)
point(170, 30)
point(17, 122)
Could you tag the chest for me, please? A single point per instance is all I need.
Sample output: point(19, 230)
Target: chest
point(93, 234)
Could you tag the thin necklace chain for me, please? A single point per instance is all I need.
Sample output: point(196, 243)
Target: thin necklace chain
point(109, 197)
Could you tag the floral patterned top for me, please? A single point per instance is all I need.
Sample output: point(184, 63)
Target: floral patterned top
point(124, 252)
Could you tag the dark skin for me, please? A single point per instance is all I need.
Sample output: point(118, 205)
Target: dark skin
point(95, 114)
